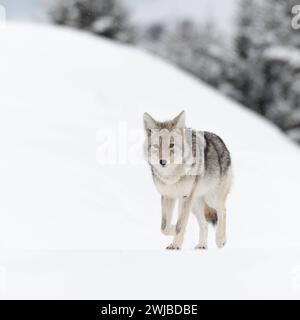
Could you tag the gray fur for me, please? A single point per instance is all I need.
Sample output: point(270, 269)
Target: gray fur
point(217, 156)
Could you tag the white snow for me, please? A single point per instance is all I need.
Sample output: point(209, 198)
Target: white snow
point(285, 55)
point(72, 228)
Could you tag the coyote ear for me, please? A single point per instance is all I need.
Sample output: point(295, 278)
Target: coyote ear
point(179, 121)
point(149, 122)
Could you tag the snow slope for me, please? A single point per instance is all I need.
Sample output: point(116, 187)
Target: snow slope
point(73, 228)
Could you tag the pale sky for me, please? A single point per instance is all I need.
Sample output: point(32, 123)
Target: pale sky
point(143, 11)
point(201, 10)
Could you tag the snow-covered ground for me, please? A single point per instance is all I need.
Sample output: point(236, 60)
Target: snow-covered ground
point(71, 227)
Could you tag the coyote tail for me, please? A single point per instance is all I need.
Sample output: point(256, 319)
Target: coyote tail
point(211, 215)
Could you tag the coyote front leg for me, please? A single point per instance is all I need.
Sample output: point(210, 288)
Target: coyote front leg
point(184, 212)
point(199, 211)
point(167, 208)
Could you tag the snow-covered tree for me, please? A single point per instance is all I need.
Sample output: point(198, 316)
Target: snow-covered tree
point(268, 61)
point(250, 43)
point(196, 49)
point(107, 18)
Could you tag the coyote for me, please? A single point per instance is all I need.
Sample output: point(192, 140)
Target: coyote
point(193, 167)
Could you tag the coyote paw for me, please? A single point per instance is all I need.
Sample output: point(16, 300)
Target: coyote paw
point(221, 243)
point(173, 247)
point(169, 231)
point(201, 247)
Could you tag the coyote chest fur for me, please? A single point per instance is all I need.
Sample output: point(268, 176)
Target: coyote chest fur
point(191, 167)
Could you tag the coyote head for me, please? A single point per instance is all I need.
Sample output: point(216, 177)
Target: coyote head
point(165, 146)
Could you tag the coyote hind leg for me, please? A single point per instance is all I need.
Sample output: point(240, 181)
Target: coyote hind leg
point(221, 226)
point(224, 190)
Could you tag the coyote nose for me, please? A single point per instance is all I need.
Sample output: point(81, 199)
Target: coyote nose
point(163, 162)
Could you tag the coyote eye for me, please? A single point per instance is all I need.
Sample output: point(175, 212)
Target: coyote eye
point(172, 145)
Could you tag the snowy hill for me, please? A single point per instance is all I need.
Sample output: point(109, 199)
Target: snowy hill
point(72, 227)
